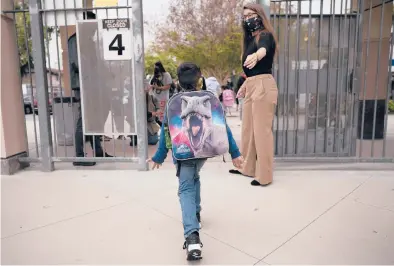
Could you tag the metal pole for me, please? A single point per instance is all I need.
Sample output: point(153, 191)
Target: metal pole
point(138, 45)
point(41, 85)
point(389, 77)
point(357, 61)
point(266, 6)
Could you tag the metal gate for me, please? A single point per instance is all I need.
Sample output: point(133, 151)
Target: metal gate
point(334, 89)
point(44, 30)
point(332, 71)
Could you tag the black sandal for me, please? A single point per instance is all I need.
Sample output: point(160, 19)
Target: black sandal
point(235, 172)
point(256, 183)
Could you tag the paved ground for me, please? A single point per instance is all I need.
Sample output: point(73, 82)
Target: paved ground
point(129, 217)
point(107, 216)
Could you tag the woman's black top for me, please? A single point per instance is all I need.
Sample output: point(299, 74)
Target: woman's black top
point(264, 66)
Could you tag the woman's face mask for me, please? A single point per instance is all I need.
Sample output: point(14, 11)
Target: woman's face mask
point(253, 24)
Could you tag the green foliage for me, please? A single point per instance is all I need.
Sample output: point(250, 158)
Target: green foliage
point(391, 106)
point(23, 31)
point(23, 34)
point(215, 57)
point(207, 33)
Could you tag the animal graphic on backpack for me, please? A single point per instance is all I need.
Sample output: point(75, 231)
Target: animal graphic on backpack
point(196, 125)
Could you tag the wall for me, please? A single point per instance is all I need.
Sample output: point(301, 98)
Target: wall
point(12, 112)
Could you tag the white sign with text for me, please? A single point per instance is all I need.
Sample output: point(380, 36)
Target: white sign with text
point(117, 35)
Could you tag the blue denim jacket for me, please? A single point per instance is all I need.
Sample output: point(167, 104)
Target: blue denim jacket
point(161, 153)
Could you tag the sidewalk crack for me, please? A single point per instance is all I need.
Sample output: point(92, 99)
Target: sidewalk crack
point(67, 219)
point(372, 206)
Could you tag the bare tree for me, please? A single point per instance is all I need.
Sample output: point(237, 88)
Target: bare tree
point(205, 31)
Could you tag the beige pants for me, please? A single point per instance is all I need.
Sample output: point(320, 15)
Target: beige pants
point(257, 137)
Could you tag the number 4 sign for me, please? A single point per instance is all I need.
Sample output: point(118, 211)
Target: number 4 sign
point(117, 39)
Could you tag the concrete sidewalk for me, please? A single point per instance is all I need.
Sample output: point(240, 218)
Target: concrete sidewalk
point(129, 217)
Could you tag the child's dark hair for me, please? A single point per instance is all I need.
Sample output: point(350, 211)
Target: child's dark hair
point(188, 75)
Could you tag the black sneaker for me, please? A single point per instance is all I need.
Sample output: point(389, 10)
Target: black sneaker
point(199, 219)
point(193, 247)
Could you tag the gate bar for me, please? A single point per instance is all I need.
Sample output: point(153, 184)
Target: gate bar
point(327, 105)
point(286, 101)
point(365, 78)
point(138, 59)
point(318, 72)
point(41, 85)
point(338, 89)
point(306, 124)
point(375, 107)
point(346, 130)
point(357, 64)
point(389, 80)
point(297, 78)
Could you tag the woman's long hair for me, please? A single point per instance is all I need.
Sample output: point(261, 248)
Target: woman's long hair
point(267, 27)
point(160, 66)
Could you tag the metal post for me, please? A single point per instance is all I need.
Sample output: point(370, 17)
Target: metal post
point(357, 76)
point(138, 45)
point(266, 6)
point(41, 85)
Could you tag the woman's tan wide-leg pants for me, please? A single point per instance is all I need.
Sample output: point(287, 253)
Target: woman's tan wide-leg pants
point(257, 137)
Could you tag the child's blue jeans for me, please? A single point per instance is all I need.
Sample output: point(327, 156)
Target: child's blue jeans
point(188, 173)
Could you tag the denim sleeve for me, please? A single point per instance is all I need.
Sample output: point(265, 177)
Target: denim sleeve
point(233, 148)
point(161, 153)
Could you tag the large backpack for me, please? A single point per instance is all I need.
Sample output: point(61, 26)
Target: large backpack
point(196, 125)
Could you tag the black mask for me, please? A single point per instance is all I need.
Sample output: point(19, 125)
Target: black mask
point(253, 24)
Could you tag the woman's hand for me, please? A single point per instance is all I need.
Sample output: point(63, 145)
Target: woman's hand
point(251, 61)
point(241, 92)
point(155, 165)
point(153, 87)
point(238, 162)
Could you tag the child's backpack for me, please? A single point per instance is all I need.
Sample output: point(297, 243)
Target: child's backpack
point(196, 126)
point(228, 98)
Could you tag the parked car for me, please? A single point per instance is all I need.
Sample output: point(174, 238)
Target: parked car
point(28, 107)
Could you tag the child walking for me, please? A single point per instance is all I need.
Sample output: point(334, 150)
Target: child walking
point(192, 142)
point(228, 99)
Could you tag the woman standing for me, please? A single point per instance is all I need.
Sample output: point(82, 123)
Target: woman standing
point(260, 94)
point(160, 85)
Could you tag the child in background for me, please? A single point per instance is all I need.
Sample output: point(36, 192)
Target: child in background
point(228, 99)
point(188, 170)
